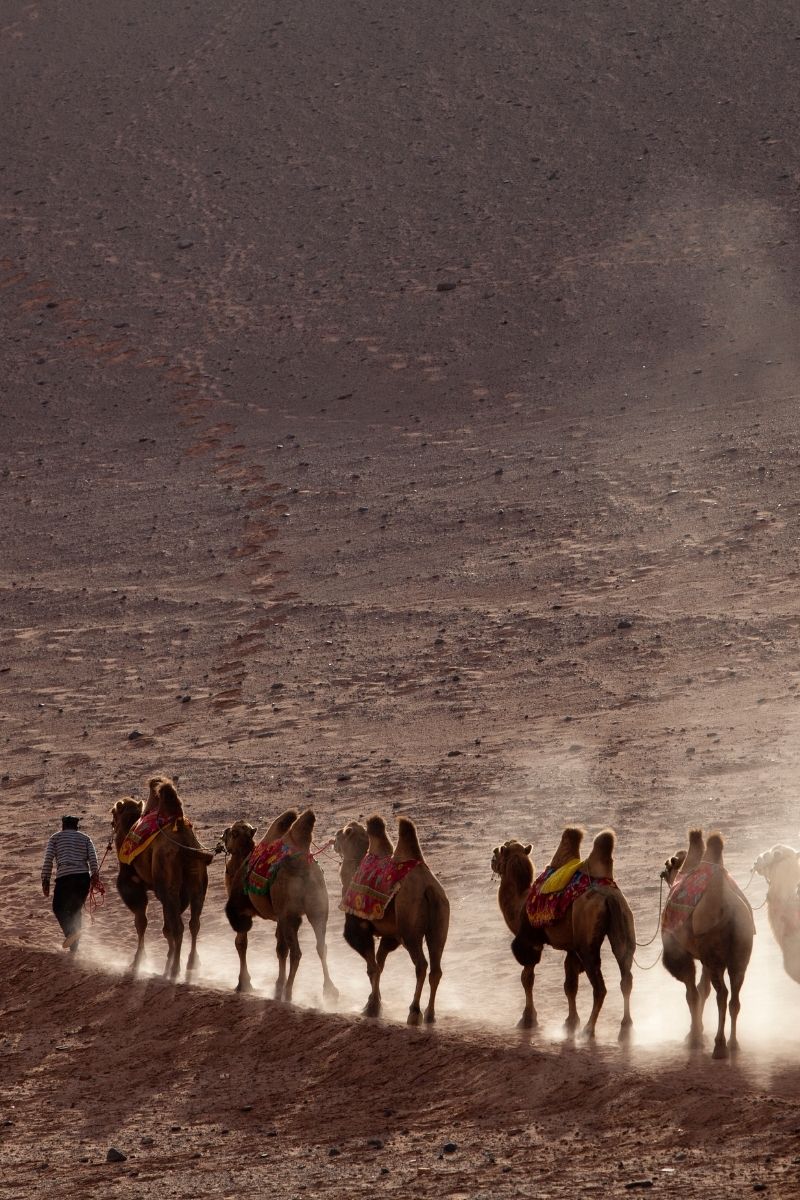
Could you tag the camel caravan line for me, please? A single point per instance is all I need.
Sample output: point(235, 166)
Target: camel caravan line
point(391, 897)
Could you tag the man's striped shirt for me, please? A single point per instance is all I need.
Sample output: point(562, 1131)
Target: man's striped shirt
point(74, 854)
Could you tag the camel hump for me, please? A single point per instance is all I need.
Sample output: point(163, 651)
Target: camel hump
point(280, 825)
point(302, 829)
point(569, 847)
point(696, 839)
point(600, 862)
point(407, 841)
point(169, 801)
point(379, 842)
point(714, 847)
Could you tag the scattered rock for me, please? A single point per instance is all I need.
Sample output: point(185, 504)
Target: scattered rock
point(343, 778)
point(447, 285)
point(115, 1155)
point(638, 1184)
point(147, 1141)
point(134, 734)
point(334, 1152)
point(449, 1147)
point(185, 244)
point(624, 624)
point(375, 1143)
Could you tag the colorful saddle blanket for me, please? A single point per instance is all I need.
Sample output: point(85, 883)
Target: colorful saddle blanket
point(141, 834)
point(261, 868)
point(375, 883)
point(545, 907)
point(687, 890)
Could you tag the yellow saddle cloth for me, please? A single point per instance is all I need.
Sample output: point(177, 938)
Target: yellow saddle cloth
point(560, 878)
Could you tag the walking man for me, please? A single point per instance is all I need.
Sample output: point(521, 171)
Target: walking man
point(76, 866)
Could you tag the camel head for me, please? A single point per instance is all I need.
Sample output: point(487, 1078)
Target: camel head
point(509, 855)
point(352, 841)
point(124, 814)
point(672, 866)
point(780, 866)
point(238, 839)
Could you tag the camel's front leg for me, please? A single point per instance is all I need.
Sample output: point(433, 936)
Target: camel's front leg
point(194, 929)
point(291, 925)
point(319, 923)
point(572, 971)
point(282, 951)
point(245, 983)
point(421, 966)
point(140, 921)
point(737, 979)
point(718, 981)
point(594, 974)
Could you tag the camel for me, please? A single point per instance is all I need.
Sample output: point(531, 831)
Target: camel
point(780, 866)
point(419, 912)
point(718, 933)
point(600, 912)
point(174, 866)
point(298, 889)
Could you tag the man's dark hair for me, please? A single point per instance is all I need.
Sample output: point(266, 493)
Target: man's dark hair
point(69, 822)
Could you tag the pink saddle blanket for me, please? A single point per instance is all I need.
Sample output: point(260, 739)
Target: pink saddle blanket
point(547, 908)
point(264, 863)
point(375, 883)
point(687, 891)
point(141, 834)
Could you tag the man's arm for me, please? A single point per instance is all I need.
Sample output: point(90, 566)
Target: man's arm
point(47, 864)
point(91, 855)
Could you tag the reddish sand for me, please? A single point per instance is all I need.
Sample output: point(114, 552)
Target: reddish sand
point(399, 413)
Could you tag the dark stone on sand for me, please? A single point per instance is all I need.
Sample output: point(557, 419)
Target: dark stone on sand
point(134, 734)
point(638, 1183)
point(185, 244)
point(115, 1155)
point(375, 1143)
point(449, 1148)
point(334, 1152)
point(447, 285)
point(625, 624)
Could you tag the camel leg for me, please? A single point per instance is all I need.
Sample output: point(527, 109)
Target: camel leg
point(140, 921)
point(591, 965)
point(173, 932)
point(421, 965)
point(703, 989)
point(318, 922)
point(622, 938)
point(196, 908)
point(737, 979)
point(434, 979)
point(718, 981)
point(572, 970)
point(361, 937)
point(680, 964)
point(385, 947)
point(245, 983)
point(282, 951)
point(291, 925)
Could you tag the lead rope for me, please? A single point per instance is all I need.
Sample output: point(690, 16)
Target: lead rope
point(641, 945)
point(97, 889)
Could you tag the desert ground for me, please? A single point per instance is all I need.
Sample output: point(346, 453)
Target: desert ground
point(399, 413)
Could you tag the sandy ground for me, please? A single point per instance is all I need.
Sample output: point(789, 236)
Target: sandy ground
point(399, 413)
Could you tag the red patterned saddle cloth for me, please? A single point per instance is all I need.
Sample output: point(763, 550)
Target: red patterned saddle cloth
point(377, 881)
point(141, 834)
point(262, 867)
point(687, 890)
point(548, 907)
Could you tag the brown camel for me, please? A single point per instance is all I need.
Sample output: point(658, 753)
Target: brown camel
point(600, 912)
point(174, 866)
point(718, 933)
point(419, 912)
point(298, 889)
point(780, 866)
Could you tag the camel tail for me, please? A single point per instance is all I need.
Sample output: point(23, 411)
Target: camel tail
point(302, 829)
point(438, 923)
point(407, 841)
point(621, 930)
point(714, 847)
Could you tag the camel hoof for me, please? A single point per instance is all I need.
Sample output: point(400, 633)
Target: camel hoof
point(720, 1050)
point(244, 985)
point(571, 1024)
point(372, 1008)
point(414, 1017)
point(527, 1021)
point(330, 993)
point(587, 1034)
point(625, 1031)
point(430, 1018)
